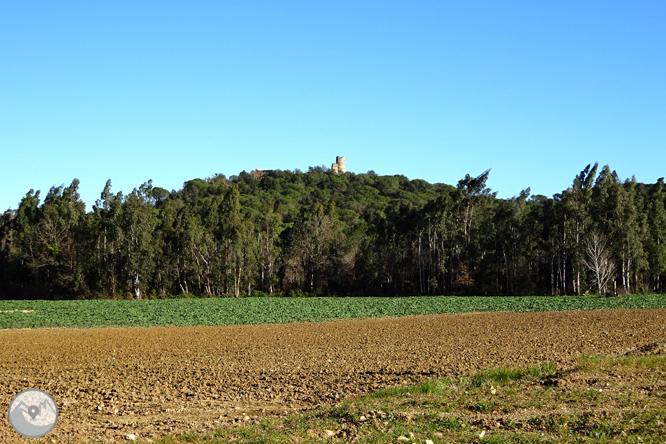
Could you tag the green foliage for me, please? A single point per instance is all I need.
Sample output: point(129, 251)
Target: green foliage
point(503, 375)
point(322, 233)
point(194, 310)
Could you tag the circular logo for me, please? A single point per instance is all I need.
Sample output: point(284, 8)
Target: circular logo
point(33, 413)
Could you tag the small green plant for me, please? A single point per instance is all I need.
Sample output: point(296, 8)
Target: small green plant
point(503, 375)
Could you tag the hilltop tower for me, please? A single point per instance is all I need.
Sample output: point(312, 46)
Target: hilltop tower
point(339, 165)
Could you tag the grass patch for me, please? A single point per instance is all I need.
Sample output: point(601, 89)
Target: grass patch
point(429, 386)
point(503, 375)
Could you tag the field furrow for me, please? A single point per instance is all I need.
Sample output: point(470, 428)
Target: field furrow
point(148, 382)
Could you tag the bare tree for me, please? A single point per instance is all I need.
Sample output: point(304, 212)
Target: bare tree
point(598, 260)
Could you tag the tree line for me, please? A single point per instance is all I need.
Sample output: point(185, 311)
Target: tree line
point(285, 233)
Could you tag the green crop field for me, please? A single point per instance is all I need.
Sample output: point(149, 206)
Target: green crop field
point(187, 312)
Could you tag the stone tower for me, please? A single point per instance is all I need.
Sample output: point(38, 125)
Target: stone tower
point(339, 165)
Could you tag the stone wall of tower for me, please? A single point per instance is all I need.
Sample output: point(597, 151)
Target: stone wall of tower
point(340, 160)
point(339, 165)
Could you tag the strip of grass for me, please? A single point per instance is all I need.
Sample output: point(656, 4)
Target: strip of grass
point(187, 312)
point(536, 405)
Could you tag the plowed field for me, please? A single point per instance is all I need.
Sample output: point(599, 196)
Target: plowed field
point(110, 383)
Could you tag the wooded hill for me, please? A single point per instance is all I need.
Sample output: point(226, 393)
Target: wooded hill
point(289, 233)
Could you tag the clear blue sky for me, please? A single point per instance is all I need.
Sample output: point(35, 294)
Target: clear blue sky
point(177, 90)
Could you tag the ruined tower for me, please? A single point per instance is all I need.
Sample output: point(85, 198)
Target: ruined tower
point(339, 165)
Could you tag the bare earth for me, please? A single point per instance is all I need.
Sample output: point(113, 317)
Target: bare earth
point(149, 382)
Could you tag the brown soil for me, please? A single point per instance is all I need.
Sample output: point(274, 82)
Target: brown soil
point(110, 383)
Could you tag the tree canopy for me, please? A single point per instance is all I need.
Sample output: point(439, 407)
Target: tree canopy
point(323, 233)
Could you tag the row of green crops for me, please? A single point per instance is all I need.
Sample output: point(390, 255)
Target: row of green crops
point(187, 312)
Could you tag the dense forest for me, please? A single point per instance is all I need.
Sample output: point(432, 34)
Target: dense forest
point(285, 233)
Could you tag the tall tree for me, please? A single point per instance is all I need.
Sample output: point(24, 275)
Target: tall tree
point(471, 201)
point(579, 201)
point(137, 249)
point(24, 249)
point(269, 227)
point(59, 235)
point(656, 239)
point(599, 260)
point(313, 239)
point(629, 233)
point(510, 242)
point(230, 234)
point(106, 220)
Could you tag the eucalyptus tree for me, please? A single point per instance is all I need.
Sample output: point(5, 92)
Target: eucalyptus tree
point(137, 248)
point(616, 217)
point(313, 240)
point(555, 220)
point(656, 238)
point(537, 244)
point(57, 240)
point(630, 235)
point(509, 252)
point(599, 260)
point(578, 200)
point(471, 214)
point(606, 197)
point(196, 247)
point(269, 226)
point(378, 264)
point(104, 266)
point(20, 245)
point(434, 232)
point(247, 251)
point(398, 246)
point(165, 238)
point(230, 235)
point(6, 272)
